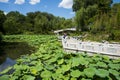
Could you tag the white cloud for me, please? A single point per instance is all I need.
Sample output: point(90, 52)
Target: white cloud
point(5, 13)
point(66, 4)
point(33, 2)
point(19, 1)
point(5, 1)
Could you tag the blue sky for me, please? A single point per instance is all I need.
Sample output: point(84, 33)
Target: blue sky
point(62, 8)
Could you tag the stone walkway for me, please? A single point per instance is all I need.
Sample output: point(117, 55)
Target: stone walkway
point(75, 45)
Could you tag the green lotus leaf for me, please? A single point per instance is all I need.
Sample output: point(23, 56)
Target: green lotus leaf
point(17, 72)
point(92, 65)
point(75, 73)
point(102, 64)
point(12, 78)
point(36, 69)
point(60, 61)
point(60, 76)
point(75, 62)
point(28, 77)
point(21, 67)
point(6, 70)
point(46, 74)
point(46, 79)
point(49, 67)
point(78, 61)
point(85, 79)
point(57, 76)
point(90, 60)
point(73, 79)
point(89, 72)
point(106, 58)
point(4, 77)
point(116, 60)
point(33, 57)
point(52, 60)
point(65, 68)
point(114, 66)
point(33, 71)
point(59, 70)
point(118, 77)
point(83, 61)
point(46, 56)
point(33, 62)
point(102, 73)
point(114, 72)
point(59, 54)
point(65, 78)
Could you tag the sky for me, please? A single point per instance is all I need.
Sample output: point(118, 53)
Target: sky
point(62, 8)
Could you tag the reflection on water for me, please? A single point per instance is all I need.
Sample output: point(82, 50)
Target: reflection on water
point(7, 63)
point(9, 51)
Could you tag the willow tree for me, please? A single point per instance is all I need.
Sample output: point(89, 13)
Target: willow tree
point(93, 10)
point(80, 19)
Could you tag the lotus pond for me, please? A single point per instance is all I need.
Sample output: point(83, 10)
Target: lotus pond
point(50, 62)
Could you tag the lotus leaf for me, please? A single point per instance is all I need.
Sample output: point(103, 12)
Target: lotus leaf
point(116, 61)
point(46, 74)
point(49, 67)
point(59, 70)
point(4, 77)
point(85, 79)
point(65, 68)
point(28, 77)
point(114, 72)
point(60, 61)
point(114, 66)
point(102, 73)
point(73, 79)
point(76, 73)
point(75, 62)
point(101, 64)
point(89, 72)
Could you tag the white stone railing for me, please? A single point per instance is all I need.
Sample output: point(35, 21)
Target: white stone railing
point(92, 47)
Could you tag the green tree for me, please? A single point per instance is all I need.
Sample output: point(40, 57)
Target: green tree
point(104, 6)
point(80, 19)
point(2, 20)
point(41, 24)
point(14, 23)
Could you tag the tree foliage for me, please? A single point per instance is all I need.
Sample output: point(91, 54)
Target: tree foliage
point(33, 23)
point(98, 16)
point(2, 19)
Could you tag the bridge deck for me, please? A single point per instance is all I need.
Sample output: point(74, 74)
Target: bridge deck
point(74, 45)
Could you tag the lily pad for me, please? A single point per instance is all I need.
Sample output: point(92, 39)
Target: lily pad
point(75, 73)
point(73, 79)
point(89, 72)
point(75, 62)
point(46, 74)
point(114, 66)
point(114, 72)
point(101, 64)
point(60, 61)
point(102, 73)
point(5, 77)
point(66, 68)
point(28, 77)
